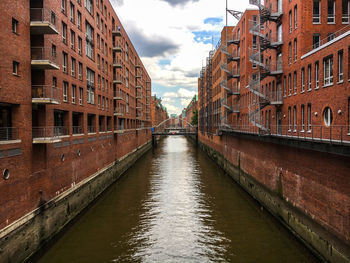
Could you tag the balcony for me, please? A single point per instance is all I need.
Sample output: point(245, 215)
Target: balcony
point(270, 42)
point(139, 95)
point(117, 80)
point(273, 13)
point(77, 130)
point(232, 90)
point(44, 58)
point(138, 106)
point(232, 108)
point(234, 41)
point(118, 95)
point(45, 94)
point(91, 129)
point(255, 28)
point(119, 111)
point(117, 48)
point(116, 31)
point(137, 66)
point(44, 135)
point(8, 135)
point(235, 56)
point(42, 21)
point(117, 64)
point(138, 76)
point(139, 116)
point(138, 86)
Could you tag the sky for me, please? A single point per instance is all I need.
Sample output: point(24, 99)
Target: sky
point(173, 39)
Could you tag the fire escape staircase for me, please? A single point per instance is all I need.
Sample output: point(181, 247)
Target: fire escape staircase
point(267, 14)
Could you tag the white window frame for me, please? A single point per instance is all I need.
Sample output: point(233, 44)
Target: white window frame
point(317, 75)
point(72, 12)
point(328, 71)
point(302, 80)
point(302, 111)
point(331, 17)
point(81, 92)
point(73, 65)
point(309, 118)
point(340, 67)
point(295, 118)
point(65, 91)
point(327, 117)
point(295, 79)
point(289, 119)
point(316, 19)
point(74, 87)
point(65, 62)
point(346, 17)
point(309, 78)
point(295, 17)
point(80, 71)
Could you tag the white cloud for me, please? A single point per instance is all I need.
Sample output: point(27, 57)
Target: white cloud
point(165, 30)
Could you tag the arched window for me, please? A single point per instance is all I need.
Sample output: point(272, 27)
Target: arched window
point(327, 116)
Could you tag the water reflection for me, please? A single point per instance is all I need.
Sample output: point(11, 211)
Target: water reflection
point(175, 205)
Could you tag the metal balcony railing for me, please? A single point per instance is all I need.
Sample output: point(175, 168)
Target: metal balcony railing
point(138, 95)
point(43, 21)
point(119, 111)
point(101, 128)
point(255, 28)
point(116, 31)
point(91, 129)
point(271, 41)
point(45, 94)
point(117, 80)
point(118, 95)
point(328, 38)
point(48, 134)
point(117, 63)
point(235, 108)
point(77, 130)
point(44, 57)
point(117, 47)
point(8, 133)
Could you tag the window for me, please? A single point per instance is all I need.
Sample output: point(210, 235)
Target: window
point(89, 6)
point(54, 82)
point(64, 33)
point(316, 38)
point(309, 116)
point(72, 13)
point(99, 82)
point(295, 49)
point(289, 84)
point(65, 62)
point(328, 71)
point(79, 20)
point(127, 78)
point(89, 41)
point(73, 93)
point(80, 44)
point(302, 118)
point(340, 67)
point(290, 53)
point(255, 42)
point(97, 20)
point(289, 119)
point(295, 118)
point(81, 91)
point(295, 82)
point(327, 116)
point(80, 71)
point(330, 36)
point(126, 52)
point(65, 91)
point(330, 11)
point(317, 75)
point(15, 68)
point(280, 33)
point(302, 80)
point(73, 67)
point(345, 11)
point(295, 17)
point(316, 12)
point(99, 101)
point(72, 39)
point(285, 85)
point(63, 6)
point(14, 26)
point(90, 77)
point(349, 113)
point(309, 82)
point(290, 21)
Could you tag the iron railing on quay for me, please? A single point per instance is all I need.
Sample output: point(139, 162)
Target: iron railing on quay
point(91, 129)
point(77, 130)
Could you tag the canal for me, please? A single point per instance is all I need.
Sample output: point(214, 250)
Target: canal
point(175, 205)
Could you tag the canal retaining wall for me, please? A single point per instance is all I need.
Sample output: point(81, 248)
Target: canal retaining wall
point(20, 240)
point(307, 191)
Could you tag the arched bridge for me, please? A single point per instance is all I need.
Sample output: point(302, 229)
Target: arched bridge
point(174, 127)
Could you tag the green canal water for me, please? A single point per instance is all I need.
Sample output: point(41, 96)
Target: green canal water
point(175, 205)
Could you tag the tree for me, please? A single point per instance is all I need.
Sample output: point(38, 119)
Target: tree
point(194, 120)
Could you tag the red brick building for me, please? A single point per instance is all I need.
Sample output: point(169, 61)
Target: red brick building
point(274, 101)
point(158, 111)
point(190, 111)
point(74, 97)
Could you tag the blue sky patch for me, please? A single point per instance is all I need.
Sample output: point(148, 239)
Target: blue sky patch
point(164, 62)
point(206, 36)
point(213, 20)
